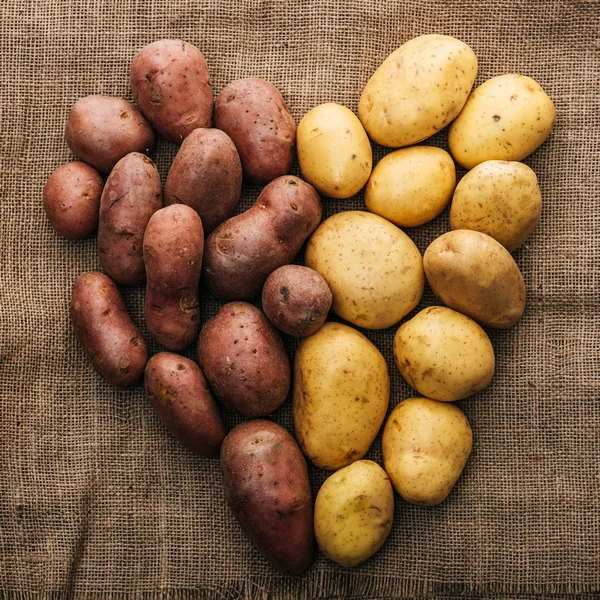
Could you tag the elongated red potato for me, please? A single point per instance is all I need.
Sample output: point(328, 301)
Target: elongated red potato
point(106, 331)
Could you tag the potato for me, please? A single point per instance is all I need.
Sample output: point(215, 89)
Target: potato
point(206, 174)
point(471, 272)
point(443, 354)
point(296, 300)
point(499, 198)
point(341, 394)
point(72, 200)
point(418, 90)
point(105, 330)
point(411, 186)
point(178, 392)
point(254, 115)
point(266, 486)
point(354, 511)
point(505, 118)
point(244, 360)
point(171, 85)
point(130, 197)
point(101, 130)
point(244, 250)
point(374, 270)
point(425, 447)
point(173, 248)
point(334, 151)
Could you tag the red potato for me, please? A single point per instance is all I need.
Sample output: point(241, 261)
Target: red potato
point(72, 200)
point(101, 130)
point(266, 486)
point(171, 85)
point(130, 197)
point(178, 392)
point(173, 247)
point(105, 330)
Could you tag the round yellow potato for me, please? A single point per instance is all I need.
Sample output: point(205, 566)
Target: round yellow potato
point(341, 395)
point(334, 151)
point(500, 198)
point(505, 118)
point(425, 447)
point(474, 274)
point(443, 354)
point(411, 186)
point(374, 270)
point(354, 511)
point(417, 90)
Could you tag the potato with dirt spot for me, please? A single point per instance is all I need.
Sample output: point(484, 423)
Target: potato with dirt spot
point(105, 330)
point(130, 197)
point(178, 392)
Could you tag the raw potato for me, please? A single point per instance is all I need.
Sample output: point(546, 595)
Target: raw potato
point(173, 248)
point(171, 85)
point(499, 198)
point(418, 90)
point(72, 200)
point(341, 394)
point(130, 197)
point(178, 392)
point(505, 118)
point(206, 174)
point(425, 447)
point(354, 511)
point(334, 151)
point(244, 360)
point(266, 485)
point(296, 300)
point(411, 186)
point(254, 115)
point(443, 354)
point(101, 130)
point(105, 330)
point(473, 273)
point(374, 270)
point(244, 250)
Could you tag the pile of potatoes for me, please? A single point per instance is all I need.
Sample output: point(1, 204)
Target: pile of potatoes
point(358, 264)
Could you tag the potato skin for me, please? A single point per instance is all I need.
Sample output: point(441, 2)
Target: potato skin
point(130, 197)
point(72, 200)
point(101, 130)
point(105, 330)
point(244, 361)
point(254, 115)
point(266, 486)
point(244, 250)
point(206, 174)
point(178, 392)
point(296, 300)
point(474, 274)
point(171, 85)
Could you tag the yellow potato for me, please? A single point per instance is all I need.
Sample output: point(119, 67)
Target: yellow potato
point(411, 186)
point(417, 90)
point(443, 354)
point(334, 151)
point(505, 118)
point(354, 511)
point(500, 198)
point(425, 447)
point(341, 395)
point(374, 270)
point(473, 273)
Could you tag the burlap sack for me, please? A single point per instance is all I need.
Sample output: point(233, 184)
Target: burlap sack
point(97, 499)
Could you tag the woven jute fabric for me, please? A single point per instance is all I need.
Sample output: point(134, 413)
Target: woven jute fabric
point(98, 500)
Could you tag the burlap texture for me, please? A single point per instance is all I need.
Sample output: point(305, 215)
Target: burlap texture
point(96, 498)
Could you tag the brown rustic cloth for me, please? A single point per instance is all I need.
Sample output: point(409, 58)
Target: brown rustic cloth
point(97, 500)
